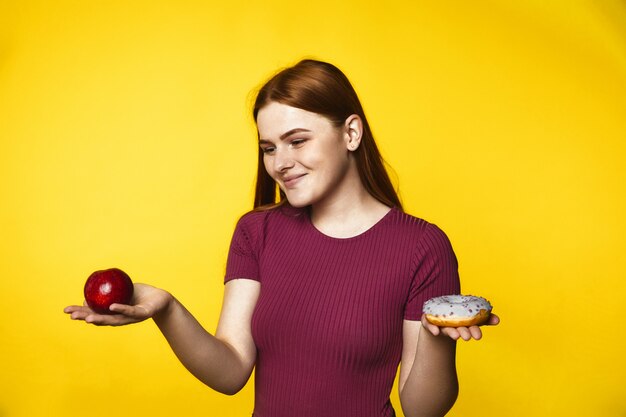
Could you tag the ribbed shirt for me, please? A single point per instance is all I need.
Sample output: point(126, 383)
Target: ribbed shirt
point(328, 321)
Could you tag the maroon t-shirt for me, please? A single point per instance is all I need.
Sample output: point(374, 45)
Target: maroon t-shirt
point(328, 321)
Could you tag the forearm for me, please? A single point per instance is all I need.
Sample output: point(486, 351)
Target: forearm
point(431, 387)
point(208, 358)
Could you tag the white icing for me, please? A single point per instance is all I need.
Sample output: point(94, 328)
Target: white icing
point(456, 306)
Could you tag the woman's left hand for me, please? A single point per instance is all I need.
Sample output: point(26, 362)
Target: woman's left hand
point(465, 333)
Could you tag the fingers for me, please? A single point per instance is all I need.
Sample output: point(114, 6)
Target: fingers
point(434, 330)
point(87, 315)
point(465, 333)
point(80, 312)
point(455, 333)
point(138, 312)
point(493, 320)
point(77, 312)
point(122, 309)
point(473, 332)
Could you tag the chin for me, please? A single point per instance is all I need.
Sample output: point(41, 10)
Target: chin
point(299, 201)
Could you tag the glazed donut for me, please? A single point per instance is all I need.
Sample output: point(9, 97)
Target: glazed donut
point(457, 310)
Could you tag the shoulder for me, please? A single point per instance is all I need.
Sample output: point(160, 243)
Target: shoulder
point(256, 221)
point(283, 211)
point(425, 239)
point(253, 217)
point(251, 224)
point(405, 223)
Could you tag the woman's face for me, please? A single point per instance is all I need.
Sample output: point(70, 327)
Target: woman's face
point(304, 153)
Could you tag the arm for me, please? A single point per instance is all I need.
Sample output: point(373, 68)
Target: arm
point(225, 361)
point(428, 382)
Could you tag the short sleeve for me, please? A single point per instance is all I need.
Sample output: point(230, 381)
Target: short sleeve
point(243, 254)
point(435, 271)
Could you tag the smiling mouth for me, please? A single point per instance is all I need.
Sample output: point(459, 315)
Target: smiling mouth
point(291, 182)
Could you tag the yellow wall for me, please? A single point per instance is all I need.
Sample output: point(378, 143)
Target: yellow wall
point(125, 141)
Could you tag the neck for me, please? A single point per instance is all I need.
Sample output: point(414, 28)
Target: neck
point(349, 215)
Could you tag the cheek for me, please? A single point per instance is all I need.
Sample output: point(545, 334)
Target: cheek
point(335, 163)
point(325, 158)
point(268, 166)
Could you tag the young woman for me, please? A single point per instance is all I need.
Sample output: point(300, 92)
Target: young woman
point(325, 279)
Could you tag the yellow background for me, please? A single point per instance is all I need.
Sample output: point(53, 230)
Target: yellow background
point(126, 140)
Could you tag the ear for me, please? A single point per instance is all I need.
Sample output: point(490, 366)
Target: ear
point(353, 132)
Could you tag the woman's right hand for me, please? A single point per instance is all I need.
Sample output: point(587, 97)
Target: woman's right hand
point(147, 302)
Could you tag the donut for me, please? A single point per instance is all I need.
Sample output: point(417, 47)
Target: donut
point(457, 310)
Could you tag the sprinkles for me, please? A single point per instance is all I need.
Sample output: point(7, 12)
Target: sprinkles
point(457, 310)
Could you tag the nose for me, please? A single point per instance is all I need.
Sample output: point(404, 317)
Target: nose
point(282, 160)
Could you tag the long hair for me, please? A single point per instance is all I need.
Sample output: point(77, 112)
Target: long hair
point(322, 88)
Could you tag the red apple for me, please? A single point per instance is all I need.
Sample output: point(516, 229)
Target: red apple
point(106, 287)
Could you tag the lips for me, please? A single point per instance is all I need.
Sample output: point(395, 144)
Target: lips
point(292, 180)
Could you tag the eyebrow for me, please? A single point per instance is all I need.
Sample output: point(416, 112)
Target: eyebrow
point(287, 134)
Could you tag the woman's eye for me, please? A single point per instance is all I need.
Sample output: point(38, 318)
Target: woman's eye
point(297, 142)
point(267, 150)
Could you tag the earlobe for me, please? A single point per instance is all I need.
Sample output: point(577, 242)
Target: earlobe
point(354, 132)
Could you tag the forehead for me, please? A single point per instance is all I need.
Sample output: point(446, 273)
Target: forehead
point(276, 118)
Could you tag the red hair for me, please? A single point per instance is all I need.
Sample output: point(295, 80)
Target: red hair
point(322, 88)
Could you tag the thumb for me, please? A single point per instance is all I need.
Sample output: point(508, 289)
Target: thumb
point(127, 310)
